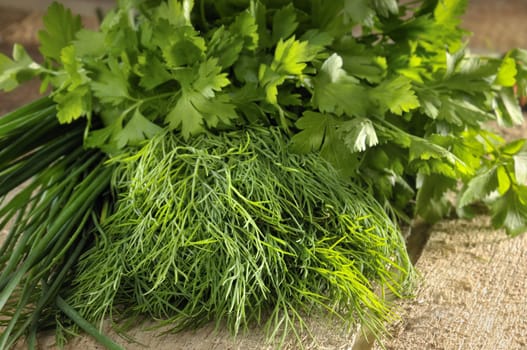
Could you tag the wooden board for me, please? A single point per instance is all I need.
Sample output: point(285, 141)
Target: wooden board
point(473, 293)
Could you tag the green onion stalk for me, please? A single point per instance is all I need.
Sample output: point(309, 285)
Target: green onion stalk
point(52, 191)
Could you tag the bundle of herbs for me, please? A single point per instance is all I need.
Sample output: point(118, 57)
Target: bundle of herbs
point(261, 156)
point(235, 228)
point(51, 191)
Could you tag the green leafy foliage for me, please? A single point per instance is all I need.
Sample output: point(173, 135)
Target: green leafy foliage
point(60, 29)
point(16, 71)
point(311, 138)
point(396, 95)
point(217, 227)
point(199, 104)
point(502, 184)
point(358, 134)
point(337, 92)
point(401, 85)
point(47, 220)
point(383, 92)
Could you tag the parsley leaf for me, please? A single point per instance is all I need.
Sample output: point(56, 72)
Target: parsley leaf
point(225, 46)
point(334, 150)
point(16, 71)
point(520, 165)
point(431, 201)
point(60, 27)
point(386, 7)
point(507, 72)
point(336, 92)
point(461, 112)
point(73, 67)
point(396, 95)
point(358, 11)
point(178, 13)
point(111, 84)
point(185, 116)
point(509, 211)
point(449, 12)
point(436, 159)
point(199, 103)
point(358, 134)
point(73, 104)
point(361, 62)
point(284, 23)
point(209, 78)
point(228, 44)
point(89, 43)
point(510, 113)
point(479, 187)
point(181, 46)
point(290, 58)
point(313, 128)
point(152, 71)
point(137, 129)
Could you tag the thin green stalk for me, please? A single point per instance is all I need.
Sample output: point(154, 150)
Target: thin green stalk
point(61, 246)
point(35, 163)
point(22, 301)
point(39, 218)
point(49, 292)
point(11, 238)
point(86, 326)
point(25, 116)
point(87, 191)
point(27, 141)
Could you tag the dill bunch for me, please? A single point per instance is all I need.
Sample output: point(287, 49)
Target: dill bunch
point(233, 227)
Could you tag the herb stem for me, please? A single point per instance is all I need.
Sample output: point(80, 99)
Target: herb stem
point(86, 326)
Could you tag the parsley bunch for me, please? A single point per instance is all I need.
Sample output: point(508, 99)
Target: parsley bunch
point(385, 91)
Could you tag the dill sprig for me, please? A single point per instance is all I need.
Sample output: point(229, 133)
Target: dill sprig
point(234, 228)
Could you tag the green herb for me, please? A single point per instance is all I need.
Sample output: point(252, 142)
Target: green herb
point(400, 102)
point(48, 218)
point(228, 227)
point(385, 92)
point(86, 326)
